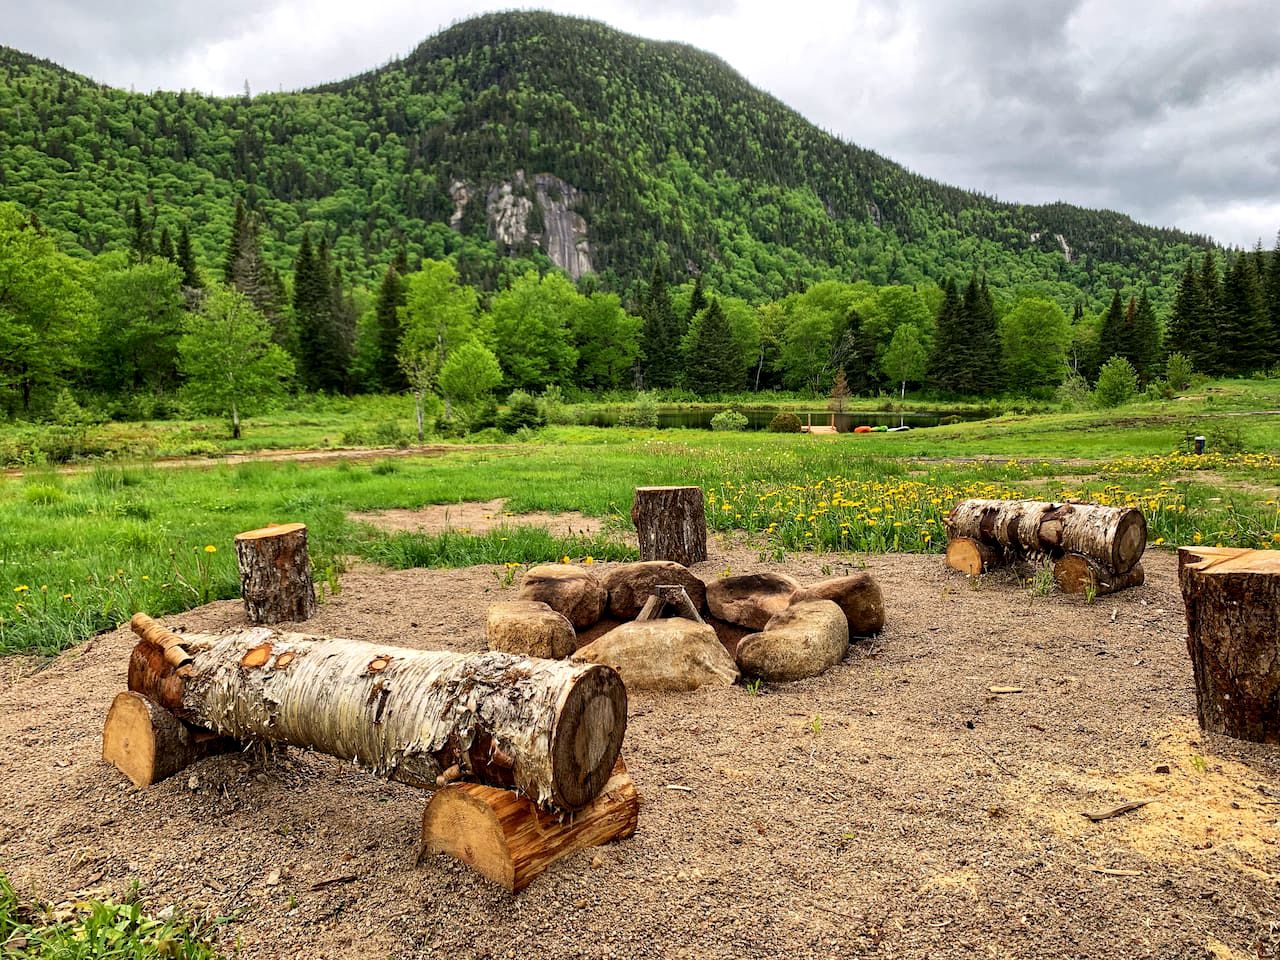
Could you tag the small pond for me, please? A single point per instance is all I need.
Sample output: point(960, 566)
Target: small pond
point(758, 418)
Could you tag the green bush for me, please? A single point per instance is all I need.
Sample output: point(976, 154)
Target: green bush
point(1073, 393)
point(553, 407)
point(1178, 371)
point(729, 420)
point(1117, 383)
point(522, 411)
point(785, 422)
point(642, 413)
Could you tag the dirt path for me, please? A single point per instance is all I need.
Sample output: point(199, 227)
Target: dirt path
point(894, 807)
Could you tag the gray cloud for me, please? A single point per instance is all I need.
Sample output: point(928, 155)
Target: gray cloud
point(1168, 111)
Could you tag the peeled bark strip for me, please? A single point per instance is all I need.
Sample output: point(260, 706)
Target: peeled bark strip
point(147, 743)
point(671, 524)
point(1076, 573)
point(971, 556)
point(1233, 625)
point(275, 574)
point(547, 728)
point(1115, 537)
point(509, 840)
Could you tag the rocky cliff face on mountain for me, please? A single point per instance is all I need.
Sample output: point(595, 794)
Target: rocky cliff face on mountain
point(547, 219)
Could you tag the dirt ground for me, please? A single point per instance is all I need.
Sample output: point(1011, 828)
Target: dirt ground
point(894, 807)
point(477, 519)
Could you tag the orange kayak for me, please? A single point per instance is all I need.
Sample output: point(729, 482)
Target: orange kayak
point(861, 429)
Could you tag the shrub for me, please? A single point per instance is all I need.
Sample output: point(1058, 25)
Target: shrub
point(785, 422)
point(1074, 393)
point(642, 413)
point(1178, 371)
point(553, 407)
point(729, 420)
point(1117, 383)
point(522, 411)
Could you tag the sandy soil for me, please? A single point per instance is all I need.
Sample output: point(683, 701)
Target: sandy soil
point(477, 519)
point(894, 807)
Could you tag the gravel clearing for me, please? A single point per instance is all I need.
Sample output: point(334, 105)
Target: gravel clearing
point(893, 807)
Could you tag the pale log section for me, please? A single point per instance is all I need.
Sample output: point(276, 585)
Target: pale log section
point(509, 840)
point(671, 524)
point(549, 729)
point(1233, 636)
point(147, 743)
point(275, 574)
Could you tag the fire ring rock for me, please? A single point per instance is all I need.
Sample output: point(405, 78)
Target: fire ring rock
point(752, 599)
point(574, 592)
point(858, 595)
point(673, 654)
point(530, 628)
point(804, 640)
point(631, 584)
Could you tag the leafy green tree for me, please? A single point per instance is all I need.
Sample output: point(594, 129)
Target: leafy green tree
point(607, 339)
point(531, 326)
point(713, 365)
point(232, 366)
point(43, 308)
point(440, 314)
point(1035, 335)
point(906, 357)
point(470, 373)
point(1117, 383)
point(139, 320)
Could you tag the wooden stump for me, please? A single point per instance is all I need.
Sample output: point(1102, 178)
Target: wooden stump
point(275, 574)
point(971, 556)
point(671, 524)
point(509, 840)
point(1233, 635)
point(147, 743)
point(545, 727)
point(1075, 573)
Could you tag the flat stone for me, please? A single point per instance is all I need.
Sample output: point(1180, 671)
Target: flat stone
point(529, 628)
point(752, 599)
point(858, 595)
point(631, 584)
point(574, 592)
point(804, 640)
point(673, 654)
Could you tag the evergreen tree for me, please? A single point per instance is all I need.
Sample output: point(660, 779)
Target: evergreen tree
point(661, 339)
point(1144, 340)
point(857, 352)
point(951, 357)
point(186, 260)
point(1211, 298)
point(239, 223)
point(391, 377)
point(1273, 299)
point(1189, 331)
point(164, 247)
point(713, 365)
point(245, 269)
point(1112, 339)
point(981, 376)
point(321, 357)
point(1245, 340)
point(697, 302)
point(140, 242)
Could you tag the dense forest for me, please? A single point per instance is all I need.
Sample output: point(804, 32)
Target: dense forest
point(650, 150)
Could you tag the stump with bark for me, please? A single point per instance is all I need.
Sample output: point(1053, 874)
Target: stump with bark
point(549, 729)
point(510, 840)
point(275, 574)
point(671, 524)
point(1091, 544)
point(1233, 636)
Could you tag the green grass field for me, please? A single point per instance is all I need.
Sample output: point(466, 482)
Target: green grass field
point(80, 551)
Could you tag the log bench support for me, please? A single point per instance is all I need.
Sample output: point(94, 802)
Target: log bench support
point(509, 840)
point(147, 743)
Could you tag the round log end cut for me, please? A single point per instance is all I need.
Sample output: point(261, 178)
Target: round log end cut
point(588, 737)
point(1130, 540)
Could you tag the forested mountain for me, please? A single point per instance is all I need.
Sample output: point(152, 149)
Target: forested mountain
point(550, 139)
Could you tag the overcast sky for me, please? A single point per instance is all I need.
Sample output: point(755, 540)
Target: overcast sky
point(1169, 111)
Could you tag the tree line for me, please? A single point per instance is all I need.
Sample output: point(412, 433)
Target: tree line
point(130, 333)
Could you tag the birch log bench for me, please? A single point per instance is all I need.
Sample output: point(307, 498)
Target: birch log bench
point(539, 740)
point(1092, 547)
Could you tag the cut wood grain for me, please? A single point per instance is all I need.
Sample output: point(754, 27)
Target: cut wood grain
point(509, 840)
point(147, 743)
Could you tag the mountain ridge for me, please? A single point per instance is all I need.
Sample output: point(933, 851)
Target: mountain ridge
point(670, 152)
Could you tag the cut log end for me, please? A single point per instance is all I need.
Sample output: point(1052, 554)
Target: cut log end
point(147, 743)
point(506, 838)
point(588, 737)
point(1130, 540)
point(1078, 574)
point(969, 556)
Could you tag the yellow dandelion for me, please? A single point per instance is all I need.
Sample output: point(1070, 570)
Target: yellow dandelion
point(21, 588)
point(590, 560)
point(210, 548)
point(565, 559)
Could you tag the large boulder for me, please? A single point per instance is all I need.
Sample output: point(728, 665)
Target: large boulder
point(752, 599)
point(631, 584)
point(670, 654)
point(530, 628)
point(802, 641)
point(858, 595)
point(574, 592)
